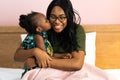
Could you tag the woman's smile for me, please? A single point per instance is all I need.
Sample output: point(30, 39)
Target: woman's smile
point(58, 19)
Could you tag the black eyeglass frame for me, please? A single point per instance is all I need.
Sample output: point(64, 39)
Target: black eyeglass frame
point(61, 18)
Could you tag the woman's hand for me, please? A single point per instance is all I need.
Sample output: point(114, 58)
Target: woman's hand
point(42, 58)
point(73, 62)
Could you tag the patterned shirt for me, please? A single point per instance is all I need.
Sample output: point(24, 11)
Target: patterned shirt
point(29, 42)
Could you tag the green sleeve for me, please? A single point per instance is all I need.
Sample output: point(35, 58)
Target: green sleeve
point(81, 38)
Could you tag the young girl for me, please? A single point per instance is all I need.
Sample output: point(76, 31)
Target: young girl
point(36, 26)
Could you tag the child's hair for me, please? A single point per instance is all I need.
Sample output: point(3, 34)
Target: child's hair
point(29, 22)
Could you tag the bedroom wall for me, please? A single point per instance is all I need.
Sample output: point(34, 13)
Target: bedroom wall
point(91, 11)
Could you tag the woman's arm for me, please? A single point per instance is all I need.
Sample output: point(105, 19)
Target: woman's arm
point(21, 54)
point(42, 59)
point(75, 63)
point(62, 56)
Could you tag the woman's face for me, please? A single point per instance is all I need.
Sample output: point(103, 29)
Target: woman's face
point(58, 19)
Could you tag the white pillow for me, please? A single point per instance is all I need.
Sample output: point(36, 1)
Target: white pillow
point(23, 36)
point(90, 47)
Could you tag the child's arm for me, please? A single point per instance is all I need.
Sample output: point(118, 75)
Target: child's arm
point(39, 41)
point(30, 63)
point(41, 44)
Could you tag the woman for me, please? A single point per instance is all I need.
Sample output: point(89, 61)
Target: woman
point(66, 36)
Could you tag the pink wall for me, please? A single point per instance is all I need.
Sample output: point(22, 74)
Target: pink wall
point(91, 11)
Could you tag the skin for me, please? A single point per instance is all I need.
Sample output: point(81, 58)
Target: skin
point(42, 23)
point(71, 64)
point(57, 25)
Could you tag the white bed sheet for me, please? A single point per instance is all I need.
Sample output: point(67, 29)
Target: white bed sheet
point(10, 74)
point(15, 74)
point(114, 72)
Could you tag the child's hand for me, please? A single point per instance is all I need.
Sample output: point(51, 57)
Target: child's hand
point(67, 56)
point(30, 62)
point(42, 58)
point(62, 56)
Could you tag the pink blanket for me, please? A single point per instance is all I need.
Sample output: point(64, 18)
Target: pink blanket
point(88, 72)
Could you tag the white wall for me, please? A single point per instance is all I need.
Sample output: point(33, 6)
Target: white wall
point(91, 11)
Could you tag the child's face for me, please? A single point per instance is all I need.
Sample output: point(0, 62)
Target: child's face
point(44, 23)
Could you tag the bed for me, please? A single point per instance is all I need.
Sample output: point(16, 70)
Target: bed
point(102, 49)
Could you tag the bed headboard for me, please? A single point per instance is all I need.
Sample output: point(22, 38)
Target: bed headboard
point(107, 45)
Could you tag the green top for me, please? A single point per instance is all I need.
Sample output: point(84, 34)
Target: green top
point(80, 39)
point(29, 42)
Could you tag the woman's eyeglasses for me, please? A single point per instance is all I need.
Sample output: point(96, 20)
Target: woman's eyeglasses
point(61, 18)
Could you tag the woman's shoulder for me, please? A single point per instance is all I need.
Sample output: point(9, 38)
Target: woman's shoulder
point(80, 28)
